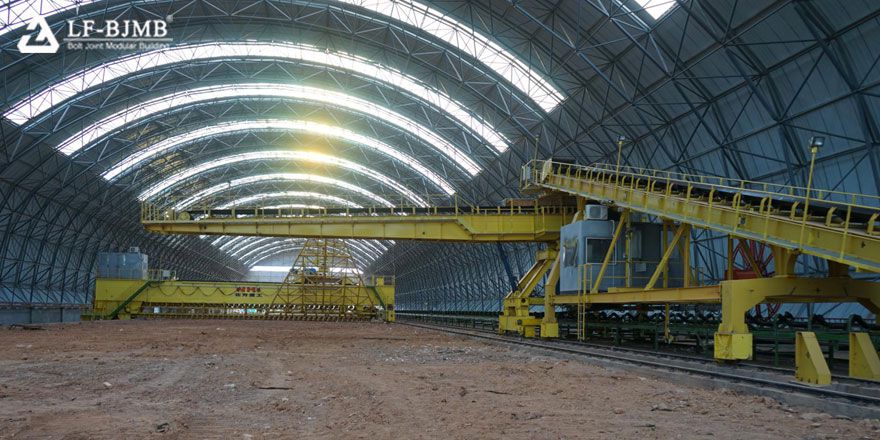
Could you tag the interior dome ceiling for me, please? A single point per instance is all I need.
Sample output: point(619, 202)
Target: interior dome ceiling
point(401, 101)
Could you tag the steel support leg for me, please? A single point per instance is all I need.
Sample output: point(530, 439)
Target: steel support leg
point(549, 325)
point(515, 316)
point(733, 340)
point(863, 360)
point(810, 365)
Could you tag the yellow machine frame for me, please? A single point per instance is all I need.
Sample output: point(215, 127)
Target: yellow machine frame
point(202, 299)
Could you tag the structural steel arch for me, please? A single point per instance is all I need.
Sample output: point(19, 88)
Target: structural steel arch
point(715, 87)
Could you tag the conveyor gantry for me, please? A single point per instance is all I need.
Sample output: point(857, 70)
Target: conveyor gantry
point(838, 227)
point(460, 224)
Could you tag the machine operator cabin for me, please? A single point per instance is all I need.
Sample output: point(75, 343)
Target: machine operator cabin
point(465, 219)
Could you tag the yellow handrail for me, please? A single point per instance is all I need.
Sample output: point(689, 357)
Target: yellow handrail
point(757, 189)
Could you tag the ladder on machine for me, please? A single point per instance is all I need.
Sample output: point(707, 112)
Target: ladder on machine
point(582, 303)
point(582, 317)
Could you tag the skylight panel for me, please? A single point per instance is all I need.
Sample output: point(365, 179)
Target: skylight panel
point(429, 20)
point(281, 154)
point(237, 250)
point(313, 178)
point(656, 8)
point(471, 42)
point(228, 243)
point(278, 269)
point(161, 105)
point(294, 206)
point(250, 241)
point(257, 198)
point(275, 247)
point(225, 128)
point(256, 251)
point(285, 269)
point(279, 246)
point(55, 94)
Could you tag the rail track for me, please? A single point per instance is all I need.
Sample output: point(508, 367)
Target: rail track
point(845, 396)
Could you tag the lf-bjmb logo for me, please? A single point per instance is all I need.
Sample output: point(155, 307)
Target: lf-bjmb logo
point(97, 35)
point(44, 42)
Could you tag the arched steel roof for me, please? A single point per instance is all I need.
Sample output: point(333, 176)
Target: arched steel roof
point(458, 94)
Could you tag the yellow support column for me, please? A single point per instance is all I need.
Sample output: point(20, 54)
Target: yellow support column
point(549, 325)
point(810, 365)
point(733, 340)
point(863, 360)
point(515, 316)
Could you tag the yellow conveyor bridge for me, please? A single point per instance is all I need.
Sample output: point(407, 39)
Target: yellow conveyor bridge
point(840, 228)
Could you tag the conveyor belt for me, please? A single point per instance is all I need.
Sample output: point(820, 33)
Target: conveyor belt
point(838, 227)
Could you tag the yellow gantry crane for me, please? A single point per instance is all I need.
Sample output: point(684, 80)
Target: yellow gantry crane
point(838, 227)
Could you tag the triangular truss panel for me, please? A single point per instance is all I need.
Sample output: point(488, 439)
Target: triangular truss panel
point(324, 284)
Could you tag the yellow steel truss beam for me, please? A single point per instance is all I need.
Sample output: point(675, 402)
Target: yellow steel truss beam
point(691, 295)
point(733, 340)
point(673, 199)
point(503, 224)
point(549, 326)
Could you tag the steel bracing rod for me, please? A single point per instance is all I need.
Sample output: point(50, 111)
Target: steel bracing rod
point(767, 12)
point(785, 63)
point(10, 200)
point(621, 223)
point(455, 278)
point(842, 62)
point(263, 252)
point(87, 163)
point(301, 22)
point(667, 253)
point(90, 161)
point(48, 207)
point(412, 31)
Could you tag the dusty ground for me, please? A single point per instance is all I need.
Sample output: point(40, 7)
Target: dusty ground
point(238, 380)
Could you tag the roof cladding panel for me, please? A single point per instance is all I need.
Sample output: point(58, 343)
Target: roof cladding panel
point(725, 87)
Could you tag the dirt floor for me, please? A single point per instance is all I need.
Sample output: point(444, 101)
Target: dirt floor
point(253, 379)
